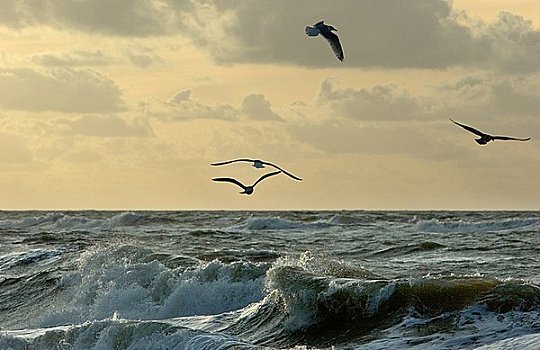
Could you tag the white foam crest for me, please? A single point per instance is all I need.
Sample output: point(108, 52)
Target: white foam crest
point(107, 284)
point(475, 328)
point(524, 342)
point(449, 226)
point(119, 334)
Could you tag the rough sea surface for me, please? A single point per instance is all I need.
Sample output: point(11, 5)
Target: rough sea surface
point(270, 280)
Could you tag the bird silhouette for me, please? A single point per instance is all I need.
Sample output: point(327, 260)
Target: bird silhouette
point(326, 32)
point(485, 138)
point(247, 189)
point(257, 163)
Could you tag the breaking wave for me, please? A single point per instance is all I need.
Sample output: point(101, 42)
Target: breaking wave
point(450, 226)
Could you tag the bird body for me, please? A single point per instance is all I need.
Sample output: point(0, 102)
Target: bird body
point(246, 189)
point(326, 32)
point(257, 163)
point(485, 138)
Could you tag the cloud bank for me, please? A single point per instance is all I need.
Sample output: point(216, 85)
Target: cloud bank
point(425, 34)
point(62, 90)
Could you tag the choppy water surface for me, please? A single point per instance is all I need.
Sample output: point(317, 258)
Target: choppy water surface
point(269, 280)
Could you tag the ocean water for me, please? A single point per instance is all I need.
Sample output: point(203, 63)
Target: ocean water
point(270, 280)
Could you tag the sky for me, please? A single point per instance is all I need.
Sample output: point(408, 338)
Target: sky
point(124, 104)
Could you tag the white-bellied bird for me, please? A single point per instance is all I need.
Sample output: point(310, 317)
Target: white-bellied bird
point(257, 163)
point(326, 32)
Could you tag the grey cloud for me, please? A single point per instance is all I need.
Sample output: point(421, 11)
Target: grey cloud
point(106, 126)
point(429, 141)
point(74, 59)
point(491, 97)
point(486, 96)
point(126, 17)
point(515, 44)
point(257, 107)
point(181, 107)
point(63, 90)
point(381, 102)
point(374, 33)
point(81, 58)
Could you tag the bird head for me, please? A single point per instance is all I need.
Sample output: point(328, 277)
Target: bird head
point(248, 191)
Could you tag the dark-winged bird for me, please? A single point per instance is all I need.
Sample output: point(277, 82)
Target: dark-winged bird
point(247, 189)
point(485, 138)
point(326, 32)
point(257, 163)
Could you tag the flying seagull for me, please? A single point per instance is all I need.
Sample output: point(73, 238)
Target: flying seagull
point(247, 189)
point(257, 163)
point(485, 138)
point(326, 32)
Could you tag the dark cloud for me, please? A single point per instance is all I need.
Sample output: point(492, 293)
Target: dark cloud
point(125, 17)
point(375, 33)
point(257, 107)
point(63, 90)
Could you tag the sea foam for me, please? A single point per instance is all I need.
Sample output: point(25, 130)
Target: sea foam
point(108, 282)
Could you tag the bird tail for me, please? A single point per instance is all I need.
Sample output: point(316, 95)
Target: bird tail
point(311, 31)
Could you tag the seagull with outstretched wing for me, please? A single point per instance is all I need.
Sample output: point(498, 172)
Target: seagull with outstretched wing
point(326, 32)
point(485, 138)
point(257, 163)
point(247, 189)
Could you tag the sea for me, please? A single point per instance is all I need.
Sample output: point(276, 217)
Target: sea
point(270, 280)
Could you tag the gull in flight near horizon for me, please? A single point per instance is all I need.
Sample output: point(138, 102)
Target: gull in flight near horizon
point(257, 163)
point(326, 32)
point(247, 189)
point(485, 138)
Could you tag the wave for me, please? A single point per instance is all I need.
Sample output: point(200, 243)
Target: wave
point(59, 221)
point(463, 226)
point(306, 308)
point(277, 223)
point(121, 281)
point(120, 334)
point(18, 259)
point(426, 246)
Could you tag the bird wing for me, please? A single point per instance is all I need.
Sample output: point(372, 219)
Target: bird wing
point(311, 31)
point(510, 138)
point(334, 43)
point(471, 129)
point(284, 171)
point(229, 179)
point(265, 176)
point(232, 161)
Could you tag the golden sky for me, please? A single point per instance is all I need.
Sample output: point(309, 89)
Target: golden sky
point(124, 104)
